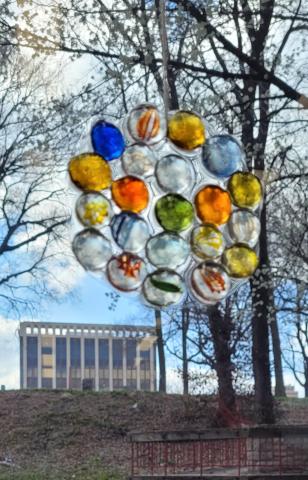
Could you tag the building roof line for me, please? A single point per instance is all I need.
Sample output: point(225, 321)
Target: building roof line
point(88, 326)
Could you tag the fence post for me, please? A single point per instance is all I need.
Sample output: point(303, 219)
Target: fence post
point(133, 459)
point(166, 457)
point(239, 455)
point(280, 455)
point(152, 458)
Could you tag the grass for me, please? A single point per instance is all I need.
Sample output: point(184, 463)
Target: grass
point(90, 471)
point(294, 401)
point(14, 475)
point(83, 474)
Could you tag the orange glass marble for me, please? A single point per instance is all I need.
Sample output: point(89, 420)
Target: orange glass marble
point(90, 171)
point(213, 205)
point(130, 193)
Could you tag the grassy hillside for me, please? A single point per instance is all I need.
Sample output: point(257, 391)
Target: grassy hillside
point(56, 435)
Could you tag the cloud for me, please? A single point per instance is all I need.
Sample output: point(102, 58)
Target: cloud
point(9, 353)
point(174, 381)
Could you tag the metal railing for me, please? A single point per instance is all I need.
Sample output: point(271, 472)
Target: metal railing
point(272, 451)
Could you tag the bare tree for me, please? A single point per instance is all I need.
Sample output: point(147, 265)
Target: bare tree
point(294, 310)
point(33, 212)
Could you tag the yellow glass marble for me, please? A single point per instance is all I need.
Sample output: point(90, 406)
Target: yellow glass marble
point(186, 130)
point(95, 213)
point(93, 209)
point(90, 171)
point(207, 241)
point(245, 189)
point(240, 261)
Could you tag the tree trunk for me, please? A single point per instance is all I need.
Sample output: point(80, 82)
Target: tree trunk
point(185, 324)
point(220, 326)
point(261, 305)
point(161, 351)
point(280, 390)
point(306, 376)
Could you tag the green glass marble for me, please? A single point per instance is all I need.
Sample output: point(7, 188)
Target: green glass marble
point(174, 213)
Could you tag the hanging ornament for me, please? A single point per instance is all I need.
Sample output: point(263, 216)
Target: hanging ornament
point(168, 211)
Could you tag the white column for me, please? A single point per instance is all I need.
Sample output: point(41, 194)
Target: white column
point(82, 357)
point(138, 364)
point(152, 370)
point(54, 361)
point(110, 365)
point(24, 360)
point(39, 359)
point(68, 361)
point(96, 363)
point(124, 363)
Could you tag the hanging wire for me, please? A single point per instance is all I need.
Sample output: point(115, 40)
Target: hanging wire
point(165, 54)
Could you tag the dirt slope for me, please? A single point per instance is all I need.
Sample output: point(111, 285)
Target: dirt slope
point(64, 431)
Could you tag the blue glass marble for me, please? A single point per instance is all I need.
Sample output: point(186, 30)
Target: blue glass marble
point(222, 155)
point(129, 231)
point(107, 140)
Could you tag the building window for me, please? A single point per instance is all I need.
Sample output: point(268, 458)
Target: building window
point(145, 372)
point(117, 362)
point(47, 382)
point(103, 362)
point(89, 358)
point(75, 363)
point(131, 371)
point(32, 362)
point(144, 359)
point(47, 361)
point(46, 350)
point(61, 358)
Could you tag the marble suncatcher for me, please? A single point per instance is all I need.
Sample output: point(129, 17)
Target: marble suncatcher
point(166, 210)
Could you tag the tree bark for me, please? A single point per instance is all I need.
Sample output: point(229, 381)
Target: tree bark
point(185, 324)
point(220, 326)
point(161, 351)
point(261, 305)
point(280, 390)
point(306, 376)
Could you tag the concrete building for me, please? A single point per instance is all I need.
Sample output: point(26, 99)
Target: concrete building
point(105, 357)
point(291, 392)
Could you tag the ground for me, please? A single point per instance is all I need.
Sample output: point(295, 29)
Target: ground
point(57, 435)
